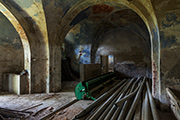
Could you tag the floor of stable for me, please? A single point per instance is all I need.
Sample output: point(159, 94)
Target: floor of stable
point(42, 104)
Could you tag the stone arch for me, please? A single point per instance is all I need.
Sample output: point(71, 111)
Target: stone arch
point(23, 37)
point(147, 15)
point(39, 47)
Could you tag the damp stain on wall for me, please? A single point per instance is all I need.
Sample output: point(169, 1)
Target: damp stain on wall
point(171, 19)
point(11, 49)
point(8, 35)
point(99, 9)
point(168, 41)
point(65, 5)
point(81, 16)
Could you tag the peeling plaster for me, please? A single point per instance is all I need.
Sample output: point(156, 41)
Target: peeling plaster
point(171, 19)
point(168, 41)
point(145, 12)
point(69, 9)
point(81, 16)
point(22, 35)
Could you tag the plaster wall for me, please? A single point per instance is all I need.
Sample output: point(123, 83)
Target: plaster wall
point(132, 57)
point(31, 17)
point(11, 50)
point(79, 41)
point(62, 15)
point(84, 39)
point(129, 51)
point(168, 16)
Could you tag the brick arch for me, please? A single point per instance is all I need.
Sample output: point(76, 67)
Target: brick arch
point(23, 37)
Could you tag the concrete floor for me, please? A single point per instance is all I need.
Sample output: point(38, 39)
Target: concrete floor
point(47, 103)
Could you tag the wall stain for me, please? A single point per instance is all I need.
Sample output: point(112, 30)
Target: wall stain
point(64, 4)
point(36, 14)
point(171, 19)
point(81, 16)
point(5, 2)
point(174, 72)
point(9, 36)
point(168, 41)
point(99, 9)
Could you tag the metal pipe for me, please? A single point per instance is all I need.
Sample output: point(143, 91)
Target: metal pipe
point(103, 106)
point(100, 86)
point(127, 97)
point(112, 109)
point(98, 101)
point(93, 112)
point(137, 112)
point(110, 106)
point(126, 105)
point(152, 104)
point(143, 104)
point(116, 113)
point(133, 106)
point(110, 114)
point(147, 110)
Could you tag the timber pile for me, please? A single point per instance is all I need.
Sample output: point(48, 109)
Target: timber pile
point(129, 99)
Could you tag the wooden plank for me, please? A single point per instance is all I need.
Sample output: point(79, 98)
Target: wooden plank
point(32, 107)
point(173, 97)
point(57, 110)
point(174, 102)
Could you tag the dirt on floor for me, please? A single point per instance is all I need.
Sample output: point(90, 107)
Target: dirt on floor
point(35, 106)
point(74, 109)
